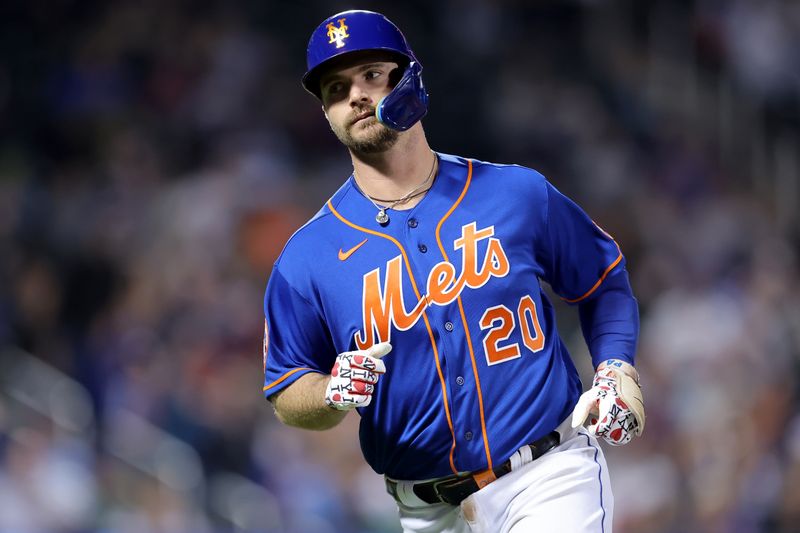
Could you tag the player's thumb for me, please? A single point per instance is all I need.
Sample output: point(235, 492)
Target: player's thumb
point(582, 409)
point(379, 350)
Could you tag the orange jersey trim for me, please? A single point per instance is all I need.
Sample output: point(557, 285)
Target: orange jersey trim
point(283, 377)
point(424, 317)
point(464, 320)
point(602, 278)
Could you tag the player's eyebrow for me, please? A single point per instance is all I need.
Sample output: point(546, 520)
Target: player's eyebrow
point(362, 68)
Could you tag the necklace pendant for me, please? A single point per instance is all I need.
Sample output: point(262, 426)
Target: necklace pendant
point(382, 218)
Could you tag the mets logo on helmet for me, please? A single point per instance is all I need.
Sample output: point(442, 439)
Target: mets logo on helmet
point(337, 35)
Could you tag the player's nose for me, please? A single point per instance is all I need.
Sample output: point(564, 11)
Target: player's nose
point(358, 95)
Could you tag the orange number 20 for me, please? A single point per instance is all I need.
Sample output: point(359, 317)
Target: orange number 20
point(501, 322)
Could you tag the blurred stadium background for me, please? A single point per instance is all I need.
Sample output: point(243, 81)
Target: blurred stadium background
point(154, 157)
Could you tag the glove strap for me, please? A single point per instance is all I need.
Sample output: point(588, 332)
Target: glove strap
point(621, 366)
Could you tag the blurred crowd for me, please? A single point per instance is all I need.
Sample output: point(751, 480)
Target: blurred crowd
point(155, 156)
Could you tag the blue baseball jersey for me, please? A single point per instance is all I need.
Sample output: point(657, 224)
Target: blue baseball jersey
point(477, 368)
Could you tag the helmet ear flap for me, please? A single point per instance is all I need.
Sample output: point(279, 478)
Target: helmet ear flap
point(407, 103)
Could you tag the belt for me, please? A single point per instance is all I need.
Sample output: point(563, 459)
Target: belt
point(454, 489)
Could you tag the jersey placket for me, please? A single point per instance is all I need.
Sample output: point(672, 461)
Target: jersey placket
point(419, 238)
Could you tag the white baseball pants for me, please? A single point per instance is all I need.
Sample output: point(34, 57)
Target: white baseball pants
point(565, 490)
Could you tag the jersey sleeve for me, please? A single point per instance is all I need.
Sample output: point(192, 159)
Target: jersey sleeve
point(575, 253)
point(610, 320)
point(296, 339)
point(585, 266)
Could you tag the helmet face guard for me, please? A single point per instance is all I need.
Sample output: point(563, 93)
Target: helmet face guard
point(354, 31)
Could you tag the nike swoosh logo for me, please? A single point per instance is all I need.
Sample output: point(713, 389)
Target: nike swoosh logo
point(344, 255)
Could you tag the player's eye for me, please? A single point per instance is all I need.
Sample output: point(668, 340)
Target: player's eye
point(335, 87)
point(372, 74)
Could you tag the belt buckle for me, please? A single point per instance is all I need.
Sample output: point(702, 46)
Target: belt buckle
point(479, 479)
point(445, 482)
point(437, 484)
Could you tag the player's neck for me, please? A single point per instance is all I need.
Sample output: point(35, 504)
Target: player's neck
point(397, 171)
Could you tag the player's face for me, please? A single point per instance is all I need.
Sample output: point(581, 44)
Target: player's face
point(349, 97)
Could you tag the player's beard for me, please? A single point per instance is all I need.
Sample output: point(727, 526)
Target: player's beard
point(372, 139)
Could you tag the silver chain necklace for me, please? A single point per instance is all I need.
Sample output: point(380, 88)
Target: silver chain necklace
point(382, 217)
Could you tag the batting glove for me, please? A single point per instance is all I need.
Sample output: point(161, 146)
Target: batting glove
point(615, 403)
point(354, 376)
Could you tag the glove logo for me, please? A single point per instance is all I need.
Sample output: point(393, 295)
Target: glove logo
point(337, 35)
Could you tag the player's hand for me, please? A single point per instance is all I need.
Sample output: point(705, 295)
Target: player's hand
point(614, 402)
point(354, 375)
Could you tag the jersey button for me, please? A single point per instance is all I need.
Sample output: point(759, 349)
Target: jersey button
point(460, 380)
point(412, 222)
point(422, 248)
point(448, 326)
point(468, 435)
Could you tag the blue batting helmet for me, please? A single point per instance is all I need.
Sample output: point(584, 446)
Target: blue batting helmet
point(357, 30)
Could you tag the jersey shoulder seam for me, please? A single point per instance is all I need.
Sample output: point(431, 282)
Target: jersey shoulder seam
point(528, 172)
point(291, 286)
point(317, 217)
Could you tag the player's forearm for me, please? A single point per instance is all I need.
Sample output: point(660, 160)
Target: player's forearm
point(302, 404)
point(610, 321)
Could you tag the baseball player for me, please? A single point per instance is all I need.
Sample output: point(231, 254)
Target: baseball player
point(414, 297)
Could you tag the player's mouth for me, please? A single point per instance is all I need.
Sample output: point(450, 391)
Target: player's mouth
point(363, 116)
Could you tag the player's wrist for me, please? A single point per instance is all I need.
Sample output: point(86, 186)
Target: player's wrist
point(618, 365)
